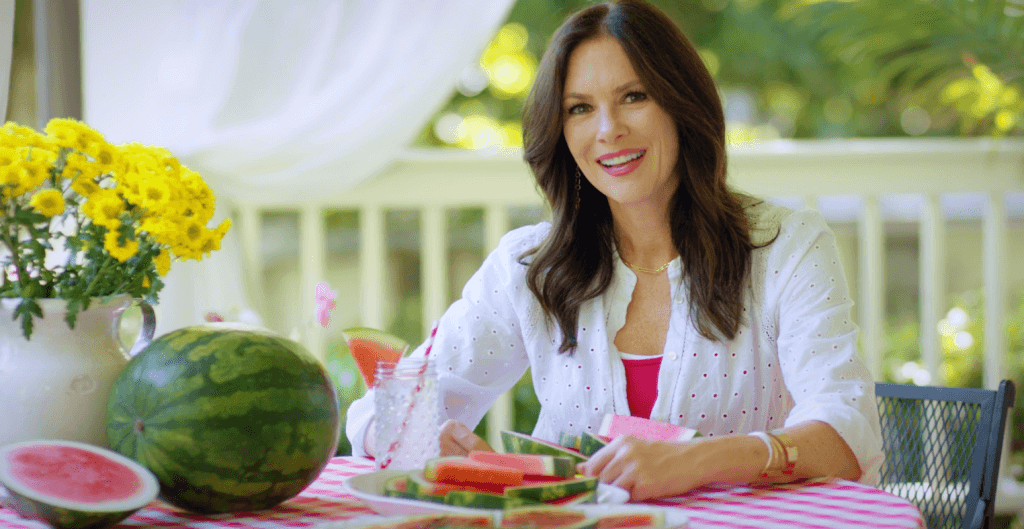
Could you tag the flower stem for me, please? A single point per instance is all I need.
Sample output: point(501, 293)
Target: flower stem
point(12, 245)
point(95, 280)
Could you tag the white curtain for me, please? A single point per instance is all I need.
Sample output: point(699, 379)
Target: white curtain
point(272, 101)
point(6, 49)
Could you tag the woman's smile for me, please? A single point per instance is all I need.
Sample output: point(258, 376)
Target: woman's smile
point(622, 162)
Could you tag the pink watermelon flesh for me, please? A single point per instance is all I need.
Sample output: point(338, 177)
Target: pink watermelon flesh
point(369, 346)
point(72, 474)
point(617, 425)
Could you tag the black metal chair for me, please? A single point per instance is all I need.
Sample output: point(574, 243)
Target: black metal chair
point(942, 448)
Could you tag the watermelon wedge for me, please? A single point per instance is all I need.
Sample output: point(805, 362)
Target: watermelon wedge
point(530, 464)
point(458, 470)
point(369, 346)
point(520, 443)
point(72, 485)
point(633, 519)
point(552, 491)
point(541, 516)
point(613, 426)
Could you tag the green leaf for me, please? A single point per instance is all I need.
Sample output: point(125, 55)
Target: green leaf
point(26, 310)
point(71, 317)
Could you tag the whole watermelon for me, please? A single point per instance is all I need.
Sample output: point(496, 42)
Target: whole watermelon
point(229, 418)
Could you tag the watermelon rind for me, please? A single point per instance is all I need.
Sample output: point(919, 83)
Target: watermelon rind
point(483, 500)
point(397, 487)
point(520, 443)
point(552, 491)
point(589, 496)
point(569, 440)
point(590, 444)
point(229, 419)
point(62, 513)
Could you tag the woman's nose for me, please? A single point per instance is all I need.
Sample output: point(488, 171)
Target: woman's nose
point(610, 126)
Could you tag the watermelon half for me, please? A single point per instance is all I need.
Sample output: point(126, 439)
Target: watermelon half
point(72, 485)
point(229, 418)
point(369, 346)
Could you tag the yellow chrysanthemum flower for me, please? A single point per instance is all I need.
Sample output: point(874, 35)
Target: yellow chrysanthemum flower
point(49, 202)
point(15, 135)
point(104, 156)
point(35, 173)
point(117, 251)
point(85, 186)
point(78, 166)
point(65, 132)
point(193, 232)
point(104, 208)
point(10, 180)
point(162, 262)
point(155, 193)
point(8, 156)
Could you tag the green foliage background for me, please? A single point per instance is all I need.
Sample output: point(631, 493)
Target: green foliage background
point(833, 68)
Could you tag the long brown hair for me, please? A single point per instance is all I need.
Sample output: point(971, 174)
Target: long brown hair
point(709, 229)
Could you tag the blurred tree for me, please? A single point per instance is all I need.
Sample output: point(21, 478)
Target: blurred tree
point(957, 65)
point(792, 68)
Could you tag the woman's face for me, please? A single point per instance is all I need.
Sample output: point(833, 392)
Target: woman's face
point(624, 142)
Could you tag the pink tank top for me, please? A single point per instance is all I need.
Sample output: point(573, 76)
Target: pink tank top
point(641, 383)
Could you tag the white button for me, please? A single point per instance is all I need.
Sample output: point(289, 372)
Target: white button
point(672, 355)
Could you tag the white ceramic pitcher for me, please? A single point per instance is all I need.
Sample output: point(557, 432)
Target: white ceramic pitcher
point(56, 385)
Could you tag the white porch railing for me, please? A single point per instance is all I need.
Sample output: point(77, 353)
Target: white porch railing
point(923, 173)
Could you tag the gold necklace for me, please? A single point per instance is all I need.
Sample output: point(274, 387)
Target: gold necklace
point(658, 270)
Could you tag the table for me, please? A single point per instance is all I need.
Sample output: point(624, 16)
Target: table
point(825, 503)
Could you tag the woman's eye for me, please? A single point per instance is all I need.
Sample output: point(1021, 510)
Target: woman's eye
point(577, 109)
point(634, 97)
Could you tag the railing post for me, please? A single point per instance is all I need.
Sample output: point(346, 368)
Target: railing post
point(500, 416)
point(312, 248)
point(252, 259)
point(932, 284)
point(372, 264)
point(871, 279)
point(995, 290)
point(433, 269)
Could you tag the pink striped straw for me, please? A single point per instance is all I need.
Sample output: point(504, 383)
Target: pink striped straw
point(397, 443)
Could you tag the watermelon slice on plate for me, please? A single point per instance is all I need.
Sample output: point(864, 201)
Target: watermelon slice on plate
point(369, 346)
point(520, 443)
point(72, 485)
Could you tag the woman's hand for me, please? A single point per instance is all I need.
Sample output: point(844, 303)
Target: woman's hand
point(458, 440)
point(647, 469)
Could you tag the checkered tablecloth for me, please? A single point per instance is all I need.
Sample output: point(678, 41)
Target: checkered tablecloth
point(820, 504)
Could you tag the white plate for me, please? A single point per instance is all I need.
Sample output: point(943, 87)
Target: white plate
point(370, 488)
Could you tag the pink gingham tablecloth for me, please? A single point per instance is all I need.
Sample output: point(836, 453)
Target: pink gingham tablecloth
point(822, 504)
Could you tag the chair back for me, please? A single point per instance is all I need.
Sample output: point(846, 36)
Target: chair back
point(942, 449)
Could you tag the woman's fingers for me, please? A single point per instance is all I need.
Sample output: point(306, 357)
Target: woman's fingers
point(458, 440)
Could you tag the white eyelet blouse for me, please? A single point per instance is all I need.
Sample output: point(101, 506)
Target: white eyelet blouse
point(794, 358)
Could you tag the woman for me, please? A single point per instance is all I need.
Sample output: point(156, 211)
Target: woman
point(655, 290)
